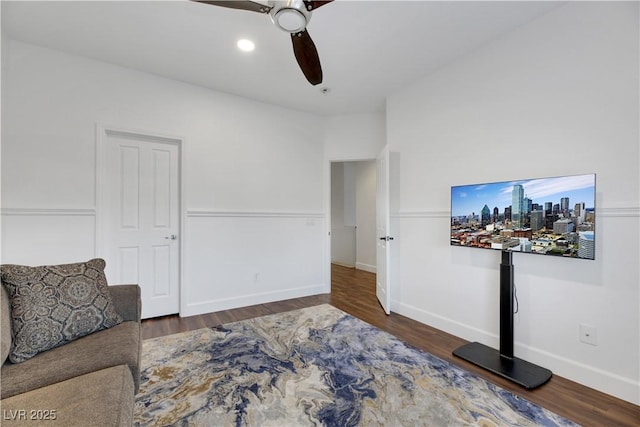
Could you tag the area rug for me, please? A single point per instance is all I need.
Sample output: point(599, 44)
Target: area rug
point(316, 366)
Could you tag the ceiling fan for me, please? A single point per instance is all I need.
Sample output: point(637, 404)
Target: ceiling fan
point(291, 16)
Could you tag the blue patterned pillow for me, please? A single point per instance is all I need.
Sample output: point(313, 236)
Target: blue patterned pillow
point(55, 304)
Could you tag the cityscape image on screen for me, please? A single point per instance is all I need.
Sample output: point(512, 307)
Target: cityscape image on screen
point(548, 216)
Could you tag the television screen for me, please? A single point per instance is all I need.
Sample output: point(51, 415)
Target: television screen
point(548, 216)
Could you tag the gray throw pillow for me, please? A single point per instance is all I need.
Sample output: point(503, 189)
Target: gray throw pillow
point(54, 304)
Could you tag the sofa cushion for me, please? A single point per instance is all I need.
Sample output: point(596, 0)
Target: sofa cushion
point(55, 304)
point(118, 345)
point(101, 398)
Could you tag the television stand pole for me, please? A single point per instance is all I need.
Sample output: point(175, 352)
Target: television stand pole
point(502, 362)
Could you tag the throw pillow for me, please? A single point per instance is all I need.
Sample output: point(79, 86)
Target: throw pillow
point(55, 304)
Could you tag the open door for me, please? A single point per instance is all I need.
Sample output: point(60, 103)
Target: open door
point(382, 225)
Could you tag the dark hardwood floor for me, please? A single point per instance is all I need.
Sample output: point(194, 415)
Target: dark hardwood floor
point(353, 291)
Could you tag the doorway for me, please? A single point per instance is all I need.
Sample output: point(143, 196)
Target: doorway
point(353, 214)
point(384, 180)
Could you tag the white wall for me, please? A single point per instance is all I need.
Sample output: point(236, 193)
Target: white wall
point(365, 197)
point(343, 212)
point(354, 136)
point(557, 96)
point(252, 233)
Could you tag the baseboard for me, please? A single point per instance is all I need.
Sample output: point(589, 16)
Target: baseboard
point(211, 306)
point(598, 379)
point(343, 264)
point(366, 267)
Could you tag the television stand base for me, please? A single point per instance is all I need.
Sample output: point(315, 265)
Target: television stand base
point(517, 370)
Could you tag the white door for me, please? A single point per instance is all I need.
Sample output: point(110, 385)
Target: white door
point(382, 227)
point(141, 218)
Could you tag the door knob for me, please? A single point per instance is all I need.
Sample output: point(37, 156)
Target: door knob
point(171, 237)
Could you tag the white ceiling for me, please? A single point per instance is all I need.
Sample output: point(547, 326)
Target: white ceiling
point(367, 49)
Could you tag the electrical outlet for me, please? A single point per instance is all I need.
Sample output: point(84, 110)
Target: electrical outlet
point(588, 334)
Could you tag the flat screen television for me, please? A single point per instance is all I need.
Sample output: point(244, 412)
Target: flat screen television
point(548, 216)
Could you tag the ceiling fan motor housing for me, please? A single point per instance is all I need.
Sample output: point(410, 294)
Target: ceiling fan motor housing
point(291, 16)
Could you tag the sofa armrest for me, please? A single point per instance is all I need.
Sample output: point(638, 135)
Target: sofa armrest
point(127, 302)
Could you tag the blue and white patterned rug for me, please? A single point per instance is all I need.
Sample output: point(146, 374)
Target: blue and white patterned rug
point(316, 366)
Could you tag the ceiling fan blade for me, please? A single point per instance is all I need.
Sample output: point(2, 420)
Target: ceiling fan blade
point(307, 56)
point(316, 3)
point(238, 4)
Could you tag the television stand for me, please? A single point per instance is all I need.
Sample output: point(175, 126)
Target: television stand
point(502, 362)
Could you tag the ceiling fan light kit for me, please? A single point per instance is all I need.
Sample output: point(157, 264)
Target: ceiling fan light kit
point(291, 16)
point(289, 20)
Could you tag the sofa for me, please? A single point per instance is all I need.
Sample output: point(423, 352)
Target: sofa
point(88, 381)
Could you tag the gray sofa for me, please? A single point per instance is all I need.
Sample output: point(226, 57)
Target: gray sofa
point(91, 381)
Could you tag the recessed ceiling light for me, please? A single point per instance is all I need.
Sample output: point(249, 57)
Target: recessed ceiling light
point(245, 45)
